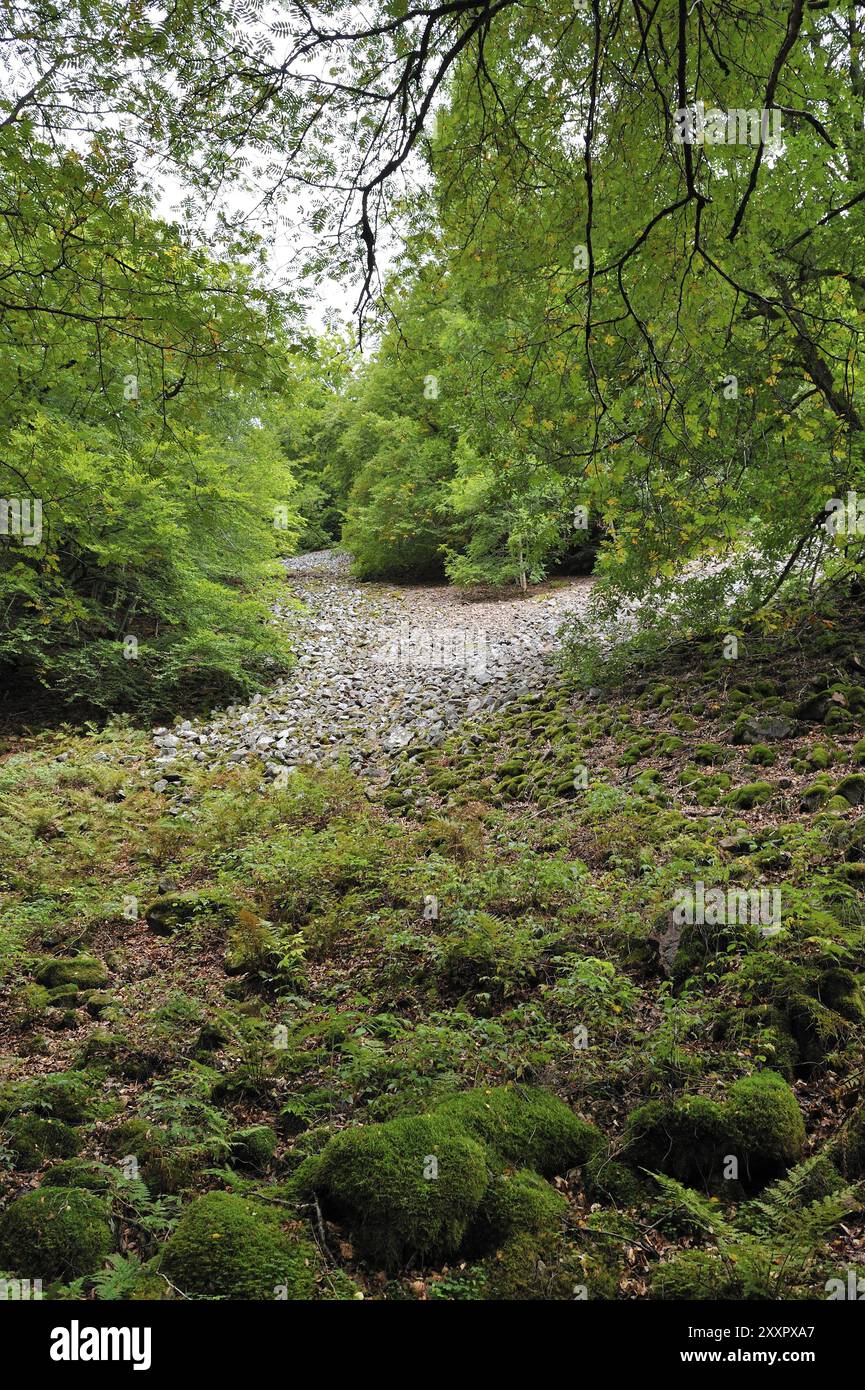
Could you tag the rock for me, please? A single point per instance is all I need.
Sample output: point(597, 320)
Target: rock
point(85, 972)
point(762, 728)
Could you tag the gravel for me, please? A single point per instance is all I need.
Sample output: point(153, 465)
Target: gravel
point(378, 667)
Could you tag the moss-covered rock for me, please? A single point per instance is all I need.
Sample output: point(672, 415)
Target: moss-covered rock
point(85, 972)
point(225, 1246)
point(253, 1147)
point(63, 1095)
point(79, 1172)
point(118, 1057)
point(766, 1125)
point(426, 1185)
point(684, 1138)
point(514, 1202)
point(525, 1127)
point(852, 788)
point(749, 795)
point(531, 1267)
point(759, 1123)
point(409, 1187)
point(55, 1233)
point(174, 910)
point(163, 1163)
point(31, 1139)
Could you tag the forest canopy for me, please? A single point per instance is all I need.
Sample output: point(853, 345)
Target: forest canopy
point(607, 268)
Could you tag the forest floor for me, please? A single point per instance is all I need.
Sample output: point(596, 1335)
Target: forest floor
point(441, 1034)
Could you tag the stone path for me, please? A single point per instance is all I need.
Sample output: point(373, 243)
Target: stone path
point(379, 667)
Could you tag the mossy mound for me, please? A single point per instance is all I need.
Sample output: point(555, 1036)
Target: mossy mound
point(165, 1165)
point(85, 972)
point(55, 1233)
point(513, 1203)
point(118, 1057)
point(64, 1095)
point(525, 1127)
point(173, 910)
point(759, 1124)
point(78, 1172)
point(31, 1139)
point(424, 1186)
point(226, 1246)
point(253, 1147)
point(531, 1268)
point(409, 1187)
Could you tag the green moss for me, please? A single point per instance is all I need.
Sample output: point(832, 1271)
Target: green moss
point(55, 1233)
point(608, 1181)
point(253, 1147)
point(78, 1172)
point(63, 1095)
point(515, 1202)
point(525, 1127)
point(749, 795)
point(31, 1139)
point(852, 788)
point(533, 1268)
point(766, 1125)
point(814, 796)
point(225, 1246)
point(409, 1187)
point(759, 1123)
point(164, 1164)
point(175, 910)
point(838, 989)
point(819, 757)
point(684, 1138)
point(117, 1056)
point(849, 1146)
point(86, 972)
point(761, 754)
point(709, 753)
